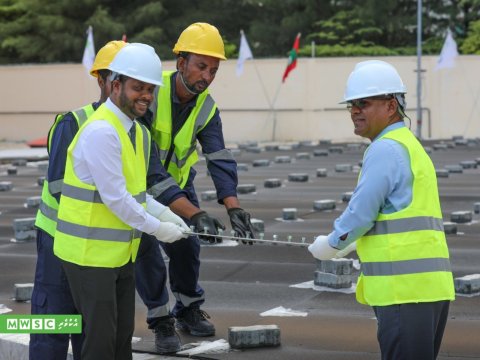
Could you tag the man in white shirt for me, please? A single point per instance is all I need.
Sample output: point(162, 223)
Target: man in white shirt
point(104, 206)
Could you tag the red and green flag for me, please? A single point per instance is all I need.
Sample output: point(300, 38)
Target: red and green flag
point(292, 57)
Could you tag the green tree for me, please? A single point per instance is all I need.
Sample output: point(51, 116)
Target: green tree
point(471, 45)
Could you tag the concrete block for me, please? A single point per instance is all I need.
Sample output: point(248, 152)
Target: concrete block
point(440, 146)
point(247, 144)
point(241, 337)
point(303, 156)
point(469, 284)
point(346, 196)
point(468, 164)
point(298, 177)
point(6, 185)
point(289, 214)
point(42, 166)
point(33, 202)
point(461, 142)
point(335, 149)
point(19, 162)
point(332, 281)
point(321, 172)
point(236, 152)
point(23, 292)
point(442, 173)
point(285, 147)
point(242, 167)
point(258, 225)
point(271, 147)
point(354, 146)
point(253, 149)
point(321, 205)
point(308, 143)
point(450, 144)
point(449, 228)
point(457, 137)
point(283, 159)
point(246, 188)
point(24, 229)
point(325, 142)
point(343, 167)
point(272, 183)
point(320, 152)
point(476, 208)
point(478, 160)
point(335, 266)
point(461, 217)
point(40, 180)
point(261, 162)
point(454, 169)
point(11, 170)
point(208, 195)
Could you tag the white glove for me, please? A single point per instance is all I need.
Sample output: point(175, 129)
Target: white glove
point(344, 252)
point(168, 232)
point(168, 215)
point(321, 249)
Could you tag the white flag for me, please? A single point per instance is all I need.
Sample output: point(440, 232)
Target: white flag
point(244, 53)
point(448, 54)
point(89, 52)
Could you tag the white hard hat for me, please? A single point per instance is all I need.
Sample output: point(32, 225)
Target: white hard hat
point(372, 78)
point(138, 61)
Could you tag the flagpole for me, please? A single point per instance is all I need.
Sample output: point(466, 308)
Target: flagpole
point(272, 107)
point(419, 69)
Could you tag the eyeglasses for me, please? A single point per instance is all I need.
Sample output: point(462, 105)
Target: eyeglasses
point(362, 103)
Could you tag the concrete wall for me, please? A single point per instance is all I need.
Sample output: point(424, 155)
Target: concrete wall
point(306, 106)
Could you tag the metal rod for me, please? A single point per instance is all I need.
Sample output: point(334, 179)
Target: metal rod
point(229, 237)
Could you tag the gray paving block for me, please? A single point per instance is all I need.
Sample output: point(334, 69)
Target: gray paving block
point(478, 160)
point(298, 177)
point(303, 156)
point(321, 205)
point(455, 169)
point(343, 167)
point(450, 144)
point(469, 284)
point(24, 229)
point(246, 188)
point(19, 162)
point(320, 152)
point(11, 170)
point(272, 183)
point(440, 146)
point(321, 172)
point(289, 214)
point(40, 180)
point(33, 201)
point(242, 167)
point(468, 164)
point(6, 185)
point(42, 166)
point(336, 266)
point(461, 142)
point(325, 142)
point(285, 147)
point(241, 337)
point(253, 149)
point(332, 281)
point(346, 196)
point(271, 147)
point(258, 224)
point(354, 146)
point(308, 143)
point(449, 228)
point(476, 208)
point(261, 162)
point(442, 173)
point(283, 159)
point(246, 144)
point(23, 292)
point(208, 195)
point(335, 149)
point(461, 216)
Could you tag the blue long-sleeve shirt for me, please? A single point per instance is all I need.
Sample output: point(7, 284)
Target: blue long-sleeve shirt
point(223, 172)
point(385, 186)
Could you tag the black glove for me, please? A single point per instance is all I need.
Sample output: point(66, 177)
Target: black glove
point(240, 220)
point(208, 224)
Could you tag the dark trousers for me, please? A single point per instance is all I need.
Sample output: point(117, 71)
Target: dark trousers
point(411, 331)
point(105, 297)
point(51, 295)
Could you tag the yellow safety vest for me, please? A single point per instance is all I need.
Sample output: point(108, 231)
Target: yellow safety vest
point(47, 212)
point(184, 154)
point(88, 232)
point(404, 257)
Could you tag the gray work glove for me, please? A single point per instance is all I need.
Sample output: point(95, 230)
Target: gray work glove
point(240, 220)
point(207, 224)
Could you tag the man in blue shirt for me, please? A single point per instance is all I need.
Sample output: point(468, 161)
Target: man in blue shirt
point(394, 218)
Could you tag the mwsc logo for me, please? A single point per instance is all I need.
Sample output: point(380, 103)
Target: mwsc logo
point(41, 324)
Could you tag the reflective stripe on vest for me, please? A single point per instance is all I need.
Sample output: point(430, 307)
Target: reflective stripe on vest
point(46, 218)
point(184, 154)
point(404, 257)
point(158, 189)
point(89, 233)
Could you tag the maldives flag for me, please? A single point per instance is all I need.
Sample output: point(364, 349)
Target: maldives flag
point(292, 57)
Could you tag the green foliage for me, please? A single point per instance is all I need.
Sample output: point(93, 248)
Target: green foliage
point(471, 45)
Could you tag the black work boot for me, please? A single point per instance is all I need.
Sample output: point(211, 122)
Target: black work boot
point(194, 321)
point(166, 339)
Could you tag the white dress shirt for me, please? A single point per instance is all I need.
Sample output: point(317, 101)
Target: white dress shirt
point(97, 161)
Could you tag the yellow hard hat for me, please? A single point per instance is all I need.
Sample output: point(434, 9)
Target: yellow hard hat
point(201, 38)
point(105, 56)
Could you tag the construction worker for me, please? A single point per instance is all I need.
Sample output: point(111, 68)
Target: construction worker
point(104, 206)
point(51, 293)
point(184, 113)
point(395, 218)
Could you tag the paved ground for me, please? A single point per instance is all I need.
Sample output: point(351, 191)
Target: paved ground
point(243, 281)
